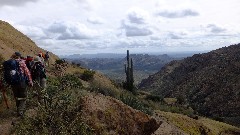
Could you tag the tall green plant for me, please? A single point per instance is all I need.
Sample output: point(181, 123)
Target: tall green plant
point(129, 74)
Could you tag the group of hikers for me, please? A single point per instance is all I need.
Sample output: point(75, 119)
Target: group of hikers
point(20, 72)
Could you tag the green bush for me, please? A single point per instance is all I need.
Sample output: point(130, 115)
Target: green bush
point(135, 103)
point(60, 61)
point(181, 100)
point(87, 75)
point(70, 82)
point(154, 98)
point(59, 114)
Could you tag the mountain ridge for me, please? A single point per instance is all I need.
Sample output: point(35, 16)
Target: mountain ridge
point(208, 82)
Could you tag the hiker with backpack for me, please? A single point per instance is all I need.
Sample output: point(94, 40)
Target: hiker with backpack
point(18, 76)
point(46, 59)
point(41, 56)
point(39, 77)
point(29, 62)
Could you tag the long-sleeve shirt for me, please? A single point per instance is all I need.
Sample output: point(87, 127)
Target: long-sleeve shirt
point(25, 70)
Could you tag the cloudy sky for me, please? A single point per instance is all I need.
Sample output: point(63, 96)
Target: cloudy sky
point(113, 26)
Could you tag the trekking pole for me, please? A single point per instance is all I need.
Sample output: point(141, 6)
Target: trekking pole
point(4, 94)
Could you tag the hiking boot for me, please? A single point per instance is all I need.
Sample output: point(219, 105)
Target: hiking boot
point(20, 114)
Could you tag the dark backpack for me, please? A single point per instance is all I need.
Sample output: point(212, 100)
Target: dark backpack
point(46, 56)
point(38, 71)
point(29, 65)
point(12, 73)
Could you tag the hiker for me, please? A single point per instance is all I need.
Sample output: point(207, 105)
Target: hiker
point(18, 76)
point(29, 62)
point(40, 55)
point(46, 58)
point(39, 77)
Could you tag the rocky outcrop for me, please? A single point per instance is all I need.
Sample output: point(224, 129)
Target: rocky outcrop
point(107, 115)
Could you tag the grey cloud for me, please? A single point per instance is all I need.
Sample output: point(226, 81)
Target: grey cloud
point(215, 29)
point(132, 30)
point(155, 38)
point(137, 17)
point(177, 35)
point(72, 33)
point(65, 31)
point(135, 31)
point(174, 36)
point(57, 28)
point(178, 14)
point(129, 44)
point(15, 2)
point(95, 20)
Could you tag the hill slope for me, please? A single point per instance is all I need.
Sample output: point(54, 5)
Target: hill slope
point(209, 82)
point(11, 40)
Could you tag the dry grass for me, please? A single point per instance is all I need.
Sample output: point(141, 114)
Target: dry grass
point(170, 101)
point(218, 127)
point(12, 40)
point(195, 127)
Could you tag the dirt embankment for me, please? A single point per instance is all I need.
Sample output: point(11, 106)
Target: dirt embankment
point(110, 116)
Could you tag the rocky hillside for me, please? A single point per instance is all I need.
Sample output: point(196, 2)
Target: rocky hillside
point(12, 40)
point(209, 82)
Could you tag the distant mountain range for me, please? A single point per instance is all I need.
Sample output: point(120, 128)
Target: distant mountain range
point(208, 82)
point(181, 54)
point(144, 65)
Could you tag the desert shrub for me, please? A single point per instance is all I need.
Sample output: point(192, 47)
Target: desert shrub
point(181, 100)
point(135, 103)
point(106, 92)
point(70, 82)
point(155, 98)
point(59, 114)
point(60, 61)
point(217, 118)
point(87, 75)
point(103, 89)
point(53, 81)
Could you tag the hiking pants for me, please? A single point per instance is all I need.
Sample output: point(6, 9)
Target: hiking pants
point(20, 93)
point(41, 84)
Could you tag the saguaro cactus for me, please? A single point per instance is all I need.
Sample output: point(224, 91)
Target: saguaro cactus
point(129, 74)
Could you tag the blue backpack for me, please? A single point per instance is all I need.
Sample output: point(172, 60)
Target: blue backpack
point(12, 73)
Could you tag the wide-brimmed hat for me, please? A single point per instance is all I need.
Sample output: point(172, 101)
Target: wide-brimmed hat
point(37, 59)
